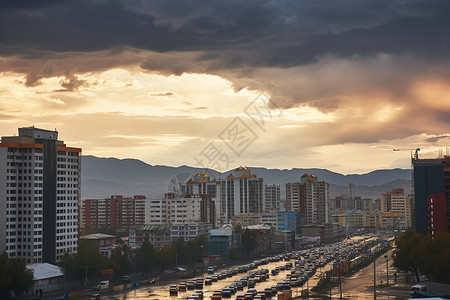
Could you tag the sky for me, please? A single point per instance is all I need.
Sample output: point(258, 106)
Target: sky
point(219, 84)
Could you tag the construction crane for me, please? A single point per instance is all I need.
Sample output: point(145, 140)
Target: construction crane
point(416, 153)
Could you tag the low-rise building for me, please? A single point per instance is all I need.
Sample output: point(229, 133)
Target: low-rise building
point(104, 243)
point(189, 231)
point(157, 235)
point(326, 232)
point(223, 239)
point(246, 219)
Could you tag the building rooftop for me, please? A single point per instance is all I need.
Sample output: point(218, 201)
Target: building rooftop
point(44, 271)
point(156, 227)
point(96, 236)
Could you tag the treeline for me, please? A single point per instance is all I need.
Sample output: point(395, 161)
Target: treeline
point(123, 261)
point(424, 255)
point(15, 278)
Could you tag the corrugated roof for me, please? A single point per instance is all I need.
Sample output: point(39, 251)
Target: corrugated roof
point(155, 227)
point(45, 270)
point(96, 236)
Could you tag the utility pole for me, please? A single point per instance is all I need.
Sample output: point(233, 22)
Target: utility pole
point(374, 280)
point(331, 280)
point(340, 283)
point(85, 282)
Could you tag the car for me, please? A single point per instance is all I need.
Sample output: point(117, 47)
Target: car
point(173, 290)
point(268, 291)
point(125, 279)
point(191, 285)
point(95, 297)
point(182, 286)
point(418, 288)
point(226, 293)
point(103, 285)
point(199, 293)
point(252, 291)
point(261, 294)
point(210, 270)
point(217, 295)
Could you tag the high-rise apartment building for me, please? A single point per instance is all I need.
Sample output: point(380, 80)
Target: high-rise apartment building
point(208, 189)
point(310, 197)
point(117, 212)
point(431, 190)
point(39, 196)
point(272, 195)
point(241, 193)
point(398, 202)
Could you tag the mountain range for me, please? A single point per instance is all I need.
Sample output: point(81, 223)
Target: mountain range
point(103, 177)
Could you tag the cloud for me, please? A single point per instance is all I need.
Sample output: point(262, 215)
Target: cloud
point(162, 94)
point(368, 70)
point(71, 83)
point(437, 138)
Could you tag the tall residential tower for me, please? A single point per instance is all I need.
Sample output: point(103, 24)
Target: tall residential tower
point(39, 196)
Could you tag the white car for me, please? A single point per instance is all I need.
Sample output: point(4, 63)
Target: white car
point(418, 287)
point(103, 285)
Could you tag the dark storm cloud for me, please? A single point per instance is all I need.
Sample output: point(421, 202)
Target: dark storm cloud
point(359, 56)
point(255, 33)
point(437, 138)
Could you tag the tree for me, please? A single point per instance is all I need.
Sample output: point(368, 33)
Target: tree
point(167, 257)
point(180, 247)
point(118, 260)
point(406, 255)
point(146, 257)
point(435, 257)
point(248, 240)
point(14, 276)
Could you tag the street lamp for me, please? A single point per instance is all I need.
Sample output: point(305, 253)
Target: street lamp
point(387, 268)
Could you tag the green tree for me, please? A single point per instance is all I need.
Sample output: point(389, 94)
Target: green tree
point(166, 257)
point(14, 276)
point(180, 247)
point(248, 240)
point(232, 254)
point(407, 254)
point(89, 257)
point(435, 257)
point(119, 261)
point(146, 257)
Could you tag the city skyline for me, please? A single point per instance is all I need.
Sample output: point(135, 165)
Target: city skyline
point(165, 81)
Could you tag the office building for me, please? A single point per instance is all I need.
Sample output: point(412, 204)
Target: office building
point(431, 182)
point(39, 196)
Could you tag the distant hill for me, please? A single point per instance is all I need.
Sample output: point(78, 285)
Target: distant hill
point(103, 177)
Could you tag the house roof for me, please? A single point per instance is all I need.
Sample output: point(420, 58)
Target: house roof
point(45, 270)
point(96, 236)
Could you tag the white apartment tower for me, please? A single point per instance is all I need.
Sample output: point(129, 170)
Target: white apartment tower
point(241, 193)
point(39, 196)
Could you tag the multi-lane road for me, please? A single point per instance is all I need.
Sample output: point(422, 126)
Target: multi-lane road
point(307, 267)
